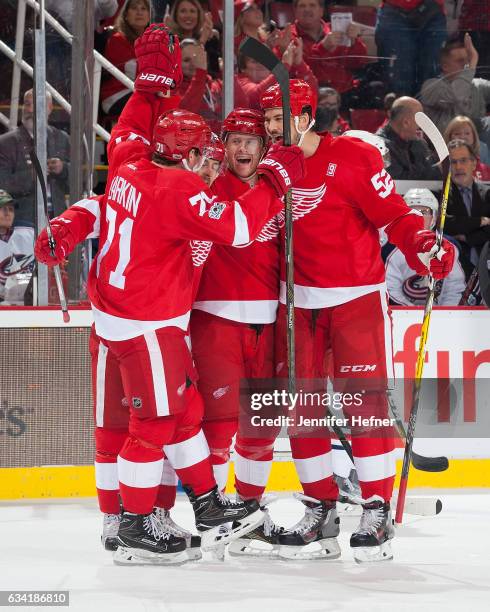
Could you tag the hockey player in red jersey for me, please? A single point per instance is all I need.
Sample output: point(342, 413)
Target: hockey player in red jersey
point(341, 303)
point(140, 288)
point(232, 322)
point(214, 155)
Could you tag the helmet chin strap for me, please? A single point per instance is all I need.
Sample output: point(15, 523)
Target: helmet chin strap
point(197, 167)
point(302, 132)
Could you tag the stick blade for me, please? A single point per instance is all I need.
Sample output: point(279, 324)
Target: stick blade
point(433, 134)
point(259, 52)
point(429, 464)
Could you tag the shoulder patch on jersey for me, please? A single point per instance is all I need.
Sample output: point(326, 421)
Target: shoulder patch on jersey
point(216, 210)
point(331, 169)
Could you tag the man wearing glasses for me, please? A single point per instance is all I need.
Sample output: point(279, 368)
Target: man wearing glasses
point(468, 211)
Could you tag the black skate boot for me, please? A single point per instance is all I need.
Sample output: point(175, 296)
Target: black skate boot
point(110, 527)
point(142, 541)
point(371, 541)
point(213, 509)
point(315, 535)
point(263, 541)
point(193, 542)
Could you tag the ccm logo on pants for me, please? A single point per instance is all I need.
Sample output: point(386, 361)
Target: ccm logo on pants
point(358, 368)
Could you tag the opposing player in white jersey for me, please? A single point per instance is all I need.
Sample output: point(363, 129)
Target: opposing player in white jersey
point(341, 304)
point(16, 253)
point(140, 287)
point(405, 286)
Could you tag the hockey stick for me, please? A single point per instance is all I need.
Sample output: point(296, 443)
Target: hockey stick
point(440, 146)
point(419, 462)
point(51, 240)
point(264, 56)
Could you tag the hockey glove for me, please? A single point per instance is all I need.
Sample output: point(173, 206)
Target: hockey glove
point(283, 167)
point(423, 256)
point(159, 60)
point(64, 244)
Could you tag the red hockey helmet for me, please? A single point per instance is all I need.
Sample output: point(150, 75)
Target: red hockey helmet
point(244, 121)
point(301, 95)
point(214, 149)
point(177, 132)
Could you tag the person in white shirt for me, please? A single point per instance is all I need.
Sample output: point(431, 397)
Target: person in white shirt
point(406, 287)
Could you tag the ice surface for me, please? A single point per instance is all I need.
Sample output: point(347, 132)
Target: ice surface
point(441, 563)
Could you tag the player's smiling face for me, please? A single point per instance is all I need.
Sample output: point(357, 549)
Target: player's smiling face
point(243, 152)
point(273, 125)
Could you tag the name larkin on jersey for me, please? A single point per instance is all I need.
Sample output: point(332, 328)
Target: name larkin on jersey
point(125, 194)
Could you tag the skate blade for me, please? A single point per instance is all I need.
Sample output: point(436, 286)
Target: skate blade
point(214, 537)
point(194, 553)
point(373, 554)
point(136, 556)
point(253, 548)
point(326, 549)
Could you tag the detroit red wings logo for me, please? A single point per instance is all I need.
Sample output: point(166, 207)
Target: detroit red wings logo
point(304, 201)
point(200, 251)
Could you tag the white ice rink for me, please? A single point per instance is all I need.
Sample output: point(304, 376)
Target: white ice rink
point(441, 563)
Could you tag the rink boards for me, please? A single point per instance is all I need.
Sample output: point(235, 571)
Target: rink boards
point(46, 445)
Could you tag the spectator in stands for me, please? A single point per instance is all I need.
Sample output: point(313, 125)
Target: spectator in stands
point(411, 32)
point(410, 155)
point(16, 253)
point(468, 209)
point(328, 101)
point(16, 173)
point(255, 79)
point(331, 62)
point(457, 92)
point(405, 286)
point(249, 21)
point(463, 128)
point(130, 24)
point(63, 10)
point(475, 19)
point(199, 91)
point(187, 19)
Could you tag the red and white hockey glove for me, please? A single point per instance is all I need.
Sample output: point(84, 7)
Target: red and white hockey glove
point(423, 257)
point(283, 167)
point(64, 244)
point(159, 60)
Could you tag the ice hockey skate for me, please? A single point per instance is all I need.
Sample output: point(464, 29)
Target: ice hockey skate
point(371, 541)
point(142, 541)
point(263, 541)
point(110, 527)
point(213, 509)
point(193, 542)
point(315, 535)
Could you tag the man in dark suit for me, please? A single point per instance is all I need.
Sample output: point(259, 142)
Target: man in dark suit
point(468, 210)
point(16, 173)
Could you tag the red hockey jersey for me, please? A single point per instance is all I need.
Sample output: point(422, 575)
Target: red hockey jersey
point(241, 283)
point(142, 276)
point(338, 207)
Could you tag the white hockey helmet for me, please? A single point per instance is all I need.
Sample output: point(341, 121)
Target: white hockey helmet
point(374, 140)
point(422, 197)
